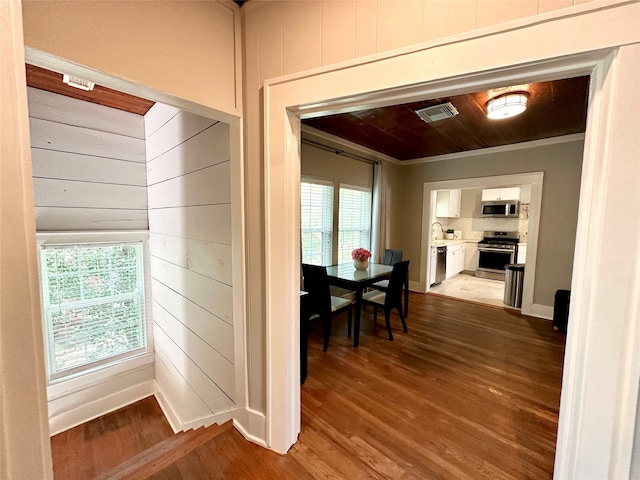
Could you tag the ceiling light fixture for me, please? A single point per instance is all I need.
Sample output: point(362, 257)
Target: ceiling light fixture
point(78, 82)
point(507, 105)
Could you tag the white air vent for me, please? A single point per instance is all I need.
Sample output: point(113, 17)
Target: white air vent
point(78, 82)
point(437, 112)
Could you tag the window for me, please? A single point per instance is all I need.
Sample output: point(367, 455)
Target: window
point(316, 222)
point(354, 221)
point(94, 305)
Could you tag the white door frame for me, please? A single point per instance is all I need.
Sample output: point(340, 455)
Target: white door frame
point(600, 389)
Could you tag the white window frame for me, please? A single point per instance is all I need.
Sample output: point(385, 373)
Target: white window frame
point(367, 244)
point(79, 378)
point(327, 257)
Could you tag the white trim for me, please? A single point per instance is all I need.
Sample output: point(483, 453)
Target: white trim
point(592, 441)
point(541, 311)
point(315, 134)
point(328, 106)
point(317, 180)
point(252, 426)
point(502, 148)
point(65, 238)
point(56, 64)
point(166, 407)
point(97, 408)
point(99, 376)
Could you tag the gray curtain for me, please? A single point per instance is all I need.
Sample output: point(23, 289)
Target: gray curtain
point(379, 213)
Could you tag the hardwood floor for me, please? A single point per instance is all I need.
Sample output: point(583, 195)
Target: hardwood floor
point(469, 392)
point(94, 447)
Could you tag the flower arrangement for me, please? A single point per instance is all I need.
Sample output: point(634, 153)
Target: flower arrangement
point(360, 254)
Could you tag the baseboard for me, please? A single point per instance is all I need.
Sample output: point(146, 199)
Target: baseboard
point(167, 409)
point(178, 426)
point(541, 311)
point(414, 286)
point(252, 425)
point(72, 418)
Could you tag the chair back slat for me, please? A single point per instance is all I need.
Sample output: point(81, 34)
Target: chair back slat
point(316, 283)
point(391, 257)
point(396, 284)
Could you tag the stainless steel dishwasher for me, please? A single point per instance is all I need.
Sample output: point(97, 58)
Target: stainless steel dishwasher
point(441, 265)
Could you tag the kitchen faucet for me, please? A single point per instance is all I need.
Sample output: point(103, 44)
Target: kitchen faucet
point(433, 233)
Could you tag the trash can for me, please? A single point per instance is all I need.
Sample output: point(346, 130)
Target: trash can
point(513, 280)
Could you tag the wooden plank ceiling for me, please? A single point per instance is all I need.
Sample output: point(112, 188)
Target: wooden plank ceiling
point(555, 108)
point(52, 82)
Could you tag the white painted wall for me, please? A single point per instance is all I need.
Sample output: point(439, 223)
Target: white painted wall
point(188, 172)
point(88, 165)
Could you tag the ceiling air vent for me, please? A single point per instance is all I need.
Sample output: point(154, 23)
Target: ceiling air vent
point(437, 112)
point(78, 82)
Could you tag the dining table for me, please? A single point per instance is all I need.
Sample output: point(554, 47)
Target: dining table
point(346, 276)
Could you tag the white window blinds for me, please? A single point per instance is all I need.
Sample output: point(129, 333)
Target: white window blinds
point(354, 221)
point(316, 222)
point(94, 305)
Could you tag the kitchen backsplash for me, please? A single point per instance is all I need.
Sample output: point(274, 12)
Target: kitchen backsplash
point(474, 228)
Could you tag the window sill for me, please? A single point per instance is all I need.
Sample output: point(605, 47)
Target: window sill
point(86, 380)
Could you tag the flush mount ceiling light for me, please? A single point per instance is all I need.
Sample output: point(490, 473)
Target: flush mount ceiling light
point(507, 105)
point(78, 82)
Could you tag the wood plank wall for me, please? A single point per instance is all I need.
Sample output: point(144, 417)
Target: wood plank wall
point(88, 165)
point(89, 174)
point(188, 172)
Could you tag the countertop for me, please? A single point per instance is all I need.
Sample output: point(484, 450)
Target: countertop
point(443, 243)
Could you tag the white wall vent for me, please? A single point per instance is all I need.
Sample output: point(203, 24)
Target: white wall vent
point(78, 82)
point(437, 112)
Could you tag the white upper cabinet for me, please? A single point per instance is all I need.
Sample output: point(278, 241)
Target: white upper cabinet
point(491, 194)
point(448, 203)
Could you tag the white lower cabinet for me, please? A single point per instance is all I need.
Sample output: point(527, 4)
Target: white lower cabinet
point(455, 259)
point(471, 256)
point(522, 253)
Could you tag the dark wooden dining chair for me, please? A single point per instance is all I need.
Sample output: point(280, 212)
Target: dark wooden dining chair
point(391, 257)
point(320, 303)
point(391, 298)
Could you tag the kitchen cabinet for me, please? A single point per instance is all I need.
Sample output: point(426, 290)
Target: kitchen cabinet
point(522, 253)
point(448, 203)
point(492, 194)
point(470, 256)
point(455, 259)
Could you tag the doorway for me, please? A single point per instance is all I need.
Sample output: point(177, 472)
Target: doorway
point(287, 104)
point(535, 182)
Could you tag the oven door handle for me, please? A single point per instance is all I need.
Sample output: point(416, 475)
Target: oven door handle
point(497, 250)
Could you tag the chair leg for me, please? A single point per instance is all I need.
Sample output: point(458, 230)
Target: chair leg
point(326, 326)
point(387, 315)
point(403, 315)
point(406, 295)
point(375, 314)
point(349, 322)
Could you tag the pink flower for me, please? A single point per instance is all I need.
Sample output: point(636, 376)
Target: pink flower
point(360, 254)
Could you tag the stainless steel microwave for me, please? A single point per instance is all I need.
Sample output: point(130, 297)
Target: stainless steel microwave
point(501, 208)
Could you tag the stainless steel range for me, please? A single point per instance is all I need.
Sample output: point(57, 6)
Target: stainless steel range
point(495, 251)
